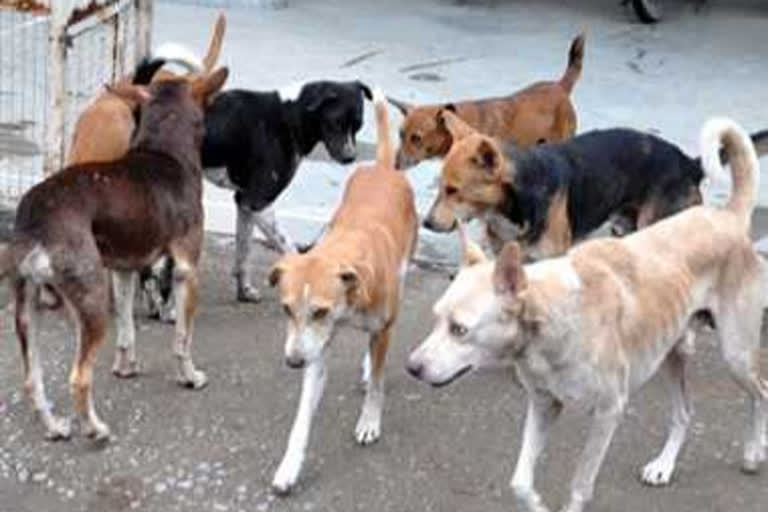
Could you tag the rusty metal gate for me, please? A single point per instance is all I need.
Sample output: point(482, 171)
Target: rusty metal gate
point(55, 55)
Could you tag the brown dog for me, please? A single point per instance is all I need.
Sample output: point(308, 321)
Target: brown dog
point(121, 215)
point(542, 112)
point(355, 272)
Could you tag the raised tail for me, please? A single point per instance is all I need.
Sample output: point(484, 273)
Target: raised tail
point(214, 47)
point(745, 170)
point(385, 156)
point(575, 60)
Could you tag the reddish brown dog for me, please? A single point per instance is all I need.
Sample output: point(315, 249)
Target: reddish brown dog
point(122, 215)
point(542, 112)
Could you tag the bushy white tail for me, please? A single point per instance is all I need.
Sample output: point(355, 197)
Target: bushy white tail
point(179, 54)
point(745, 169)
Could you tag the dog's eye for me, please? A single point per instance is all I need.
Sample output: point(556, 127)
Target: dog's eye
point(415, 139)
point(456, 329)
point(287, 310)
point(319, 313)
point(449, 190)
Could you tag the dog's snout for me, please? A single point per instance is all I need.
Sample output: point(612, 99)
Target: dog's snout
point(416, 369)
point(429, 224)
point(348, 158)
point(295, 362)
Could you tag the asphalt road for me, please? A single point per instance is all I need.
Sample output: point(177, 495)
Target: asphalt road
point(441, 450)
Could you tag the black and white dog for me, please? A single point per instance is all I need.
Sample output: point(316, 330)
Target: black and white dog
point(255, 141)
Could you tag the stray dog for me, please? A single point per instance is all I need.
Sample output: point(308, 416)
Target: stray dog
point(542, 112)
point(593, 326)
point(254, 144)
point(120, 216)
point(355, 272)
point(551, 196)
point(104, 129)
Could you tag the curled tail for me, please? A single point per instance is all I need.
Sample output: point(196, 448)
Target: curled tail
point(385, 156)
point(575, 60)
point(745, 170)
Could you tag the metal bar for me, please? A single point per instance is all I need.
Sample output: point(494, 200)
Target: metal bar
point(57, 88)
point(144, 22)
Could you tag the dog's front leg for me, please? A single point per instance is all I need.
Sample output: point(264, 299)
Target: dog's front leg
point(246, 219)
point(124, 288)
point(266, 221)
point(600, 435)
point(543, 410)
point(368, 427)
point(312, 386)
point(185, 288)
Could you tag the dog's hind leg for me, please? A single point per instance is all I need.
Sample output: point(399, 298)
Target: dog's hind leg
point(543, 411)
point(185, 289)
point(27, 331)
point(739, 333)
point(312, 386)
point(368, 427)
point(124, 288)
point(659, 471)
point(90, 318)
point(246, 220)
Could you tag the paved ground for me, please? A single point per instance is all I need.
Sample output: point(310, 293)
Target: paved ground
point(441, 450)
point(668, 78)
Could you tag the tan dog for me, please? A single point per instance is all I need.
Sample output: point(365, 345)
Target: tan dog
point(355, 273)
point(592, 327)
point(542, 112)
point(104, 129)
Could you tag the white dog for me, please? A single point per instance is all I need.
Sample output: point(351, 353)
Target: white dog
point(595, 325)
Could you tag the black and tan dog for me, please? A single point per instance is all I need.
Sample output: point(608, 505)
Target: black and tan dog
point(553, 195)
point(121, 216)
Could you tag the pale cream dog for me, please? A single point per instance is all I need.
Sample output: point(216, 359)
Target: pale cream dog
point(593, 326)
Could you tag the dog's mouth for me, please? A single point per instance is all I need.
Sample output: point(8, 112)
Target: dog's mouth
point(454, 377)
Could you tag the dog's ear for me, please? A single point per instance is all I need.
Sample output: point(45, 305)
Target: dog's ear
point(453, 124)
point(204, 87)
point(365, 90)
point(275, 274)
point(487, 156)
point(134, 94)
point(320, 98)
point(471, 253)
point(508, 274)
point(402, 106)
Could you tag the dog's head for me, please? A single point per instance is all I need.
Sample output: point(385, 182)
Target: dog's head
point(472, 179)
point(335, 113)
point(315, 293)
point(483, 319)
point(423, 135)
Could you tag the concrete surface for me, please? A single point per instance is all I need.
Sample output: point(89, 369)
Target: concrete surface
point(668, 78)
point(441, 450)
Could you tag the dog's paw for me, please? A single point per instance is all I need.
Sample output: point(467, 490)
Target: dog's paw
point(754, 457)
point(124, 368)
point(658, 472)
point(58, 429)
point(196, 380)
point(368, 429)
point(249, 294)
point(286, 476)
point(98, 431)
point(529, 500)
